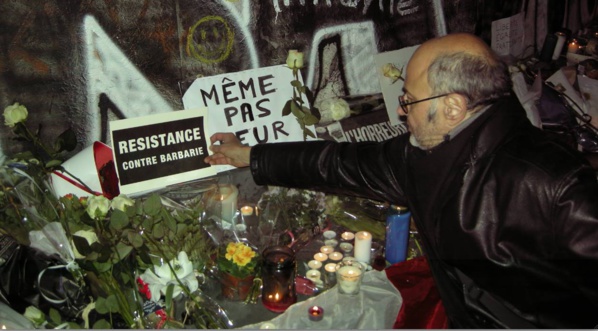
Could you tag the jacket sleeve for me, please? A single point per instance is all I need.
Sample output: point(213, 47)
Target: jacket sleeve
point(366, 169)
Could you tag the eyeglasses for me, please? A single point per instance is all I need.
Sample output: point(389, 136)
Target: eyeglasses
point(404, 103)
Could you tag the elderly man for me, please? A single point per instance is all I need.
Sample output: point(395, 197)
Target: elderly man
point(509, 218)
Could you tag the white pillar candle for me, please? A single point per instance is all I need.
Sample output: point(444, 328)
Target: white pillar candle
point(326, 249)
point(320, 257)
point(349, 278)
point(362, 247)
point(335, 256)
point(228, 201)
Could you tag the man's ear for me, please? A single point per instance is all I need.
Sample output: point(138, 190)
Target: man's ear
point(455, 110)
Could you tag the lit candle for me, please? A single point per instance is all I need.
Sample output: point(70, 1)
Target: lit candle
point(326, 249)
point(573, 47)
point(330, 267)
point(348, 277)
point(335, 256)
point(313, 275)
point(348, 236)
point(228, 201)
point(349, 258)
point(246, 210)
point(315, 313)
point(362, 247)
point(314, 264)
point(320, 257)
point(267, 325)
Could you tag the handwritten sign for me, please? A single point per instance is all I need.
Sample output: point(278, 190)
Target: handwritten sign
point(248, 103)
point(155, 151)
point(508, 35)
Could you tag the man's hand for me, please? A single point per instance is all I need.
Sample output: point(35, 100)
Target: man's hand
point(229, 151)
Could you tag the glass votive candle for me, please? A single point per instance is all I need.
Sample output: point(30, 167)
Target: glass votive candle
point(349, 276)
point(278, 276)
point(314, 275)
point(326, 249)
point(320, 257)
point(335, 256)
point(346, 247)
point(329, 234)
point(315, 313)
point(331, 242)
point(314, 264)
point(347, 236)
point(329, 275)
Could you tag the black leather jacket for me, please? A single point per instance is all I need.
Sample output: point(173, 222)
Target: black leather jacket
point(513, 244)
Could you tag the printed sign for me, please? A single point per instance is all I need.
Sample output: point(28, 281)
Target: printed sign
point(370, 126)
point(155, 151)
point(508, 35)
point(248, 103)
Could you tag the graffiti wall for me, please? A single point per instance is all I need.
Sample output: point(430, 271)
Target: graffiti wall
point(82, 63)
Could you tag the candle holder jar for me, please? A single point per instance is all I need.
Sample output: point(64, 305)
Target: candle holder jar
point(349, 275)
point(278, 277)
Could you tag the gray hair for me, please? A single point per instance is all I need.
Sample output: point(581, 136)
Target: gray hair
point(482, 80)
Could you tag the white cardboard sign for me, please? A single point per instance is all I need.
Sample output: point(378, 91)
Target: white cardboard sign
point(248, 103)
point(155, 151)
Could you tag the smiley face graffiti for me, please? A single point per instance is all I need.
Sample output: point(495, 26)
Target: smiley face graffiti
point(210, 40)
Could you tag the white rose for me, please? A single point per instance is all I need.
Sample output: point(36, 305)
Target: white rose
point(91, 238)
point(334, 109)
point(389, 70)
point(121, 202)
point(35, 315)
point(14, 114)
point(98, 206)
point(295, 59)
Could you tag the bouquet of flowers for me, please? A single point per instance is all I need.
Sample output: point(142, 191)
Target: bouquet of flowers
point(126, 262)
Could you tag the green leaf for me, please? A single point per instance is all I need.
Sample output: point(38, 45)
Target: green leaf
point(118, 219)
point(82, 245)
point(287, 108)
point(135, 239)
point(310, 96)
point(102, 306)
point(296, 110)
point(53, 163)
point(309, 133)
point(102, 267)
point(295, 83)
point(55, 316)
point(123, 250)
point(67, 141)
point(112, 303)
point(158, 231)
point(152, 205)
point(310, 119)
point(102, 324)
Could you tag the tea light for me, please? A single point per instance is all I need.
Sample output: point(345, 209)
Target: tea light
point(331, 242)
point(573, 47)
point(314, 264)
point(320, 257)
point(246, 210)
point(313, 275)
point(329, 234)
point(315, 313)
point(335, 256)
point(349, 258)
point(346, 247)
point(362, 247)
point(326, 249)
point(347, 235)
point(267, 325)
point(330, 267)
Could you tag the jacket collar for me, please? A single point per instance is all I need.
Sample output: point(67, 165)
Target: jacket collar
point(498, 126)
